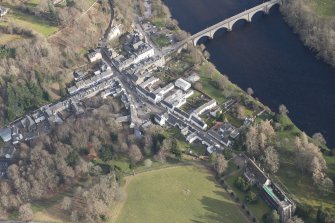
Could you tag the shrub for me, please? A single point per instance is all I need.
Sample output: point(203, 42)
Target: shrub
point(147, 163)
point(242, 184)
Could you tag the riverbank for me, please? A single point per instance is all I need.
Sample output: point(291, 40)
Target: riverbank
point(315, 24)
point(296, 183)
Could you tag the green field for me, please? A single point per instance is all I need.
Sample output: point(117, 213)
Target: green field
point(30, 22)
point(324, 7)
point(180, 194)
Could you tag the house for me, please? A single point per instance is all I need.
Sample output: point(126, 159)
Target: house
point(16, 135)
point(38, 116)
point(228, 130)
point(164, 90)
point(149, 82)
point(248, 121)
point(123, 119)
point(178, 98)
point(207, 106)
point(160, 119)
point(6, 134)
point(114, 32)
point(73, 89)
point(216, 112)
point(77, 75)
point(192, 137)
point(28, 123)
point(58, 107)
point(76, 108)
point(221, 138)
point(174, 121)
point(198, 122)
point(182, 114)
point(95, 55)
point(182, 84)
point(138, 77)
point(3, 11)
point(270, 192)
point(149, 95)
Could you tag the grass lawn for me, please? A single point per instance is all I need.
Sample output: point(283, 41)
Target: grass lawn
point(33, 3)
point(30, 22)
point(324, 7)
point(159, 22)
point(179, 194)
point(6, 38)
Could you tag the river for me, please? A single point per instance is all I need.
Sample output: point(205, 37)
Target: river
point(268, 57)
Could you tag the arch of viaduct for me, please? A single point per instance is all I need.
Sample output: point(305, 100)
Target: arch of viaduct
point(229, 23)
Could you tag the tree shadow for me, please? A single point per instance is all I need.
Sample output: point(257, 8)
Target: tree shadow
point(216, 208)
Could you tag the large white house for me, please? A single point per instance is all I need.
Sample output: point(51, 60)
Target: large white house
point(182, 84)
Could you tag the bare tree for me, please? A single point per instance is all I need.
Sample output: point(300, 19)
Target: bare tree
point(25, 212)
point(251, 141)
point(271, 159)
point(259, 137)
point(221, 164)
point(74, 216)
point(198, 86)
point(66, 204)
point(135, 153)
point(222, 82)
point(319, 139)
point(250, 91)
point(309, 158)
point(283, 110)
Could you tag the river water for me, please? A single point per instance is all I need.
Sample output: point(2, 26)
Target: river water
point(268, 57)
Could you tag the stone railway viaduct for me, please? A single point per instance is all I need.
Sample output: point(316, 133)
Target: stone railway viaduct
point(229, 23)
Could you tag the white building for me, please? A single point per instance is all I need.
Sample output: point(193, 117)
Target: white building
point(164, 90)
point(143, 54)
point(149, 82)
point(182, 84)
point(194, 77)
point(115, 32)
point(178, 98)
point(207, 106)
point(94, 56)
point(160, 119)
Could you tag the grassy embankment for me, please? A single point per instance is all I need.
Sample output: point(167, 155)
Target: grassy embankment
point(297, 183)
point(180, 194)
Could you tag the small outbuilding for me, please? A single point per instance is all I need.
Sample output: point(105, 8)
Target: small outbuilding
point(6, 134)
